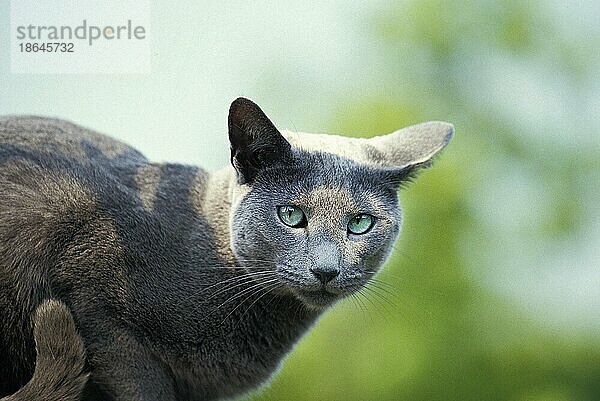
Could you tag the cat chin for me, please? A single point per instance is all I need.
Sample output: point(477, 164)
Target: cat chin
point(317, 300)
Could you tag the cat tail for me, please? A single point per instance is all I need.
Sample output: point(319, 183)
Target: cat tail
point(60, 373)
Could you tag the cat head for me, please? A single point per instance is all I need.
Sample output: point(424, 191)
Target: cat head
point(321, 212)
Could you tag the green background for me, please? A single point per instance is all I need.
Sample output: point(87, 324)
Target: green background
point(493, 292)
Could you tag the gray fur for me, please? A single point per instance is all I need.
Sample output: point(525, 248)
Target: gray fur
point(59, 367)
point(184, 285)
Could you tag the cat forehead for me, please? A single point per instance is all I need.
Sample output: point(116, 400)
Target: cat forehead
point(325, 196)
point(336, 201)
point(308, 170)
point(355, 149)
point(324, 180)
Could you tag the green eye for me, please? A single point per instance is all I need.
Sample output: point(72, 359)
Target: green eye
point(292, 216)
point(361, 223)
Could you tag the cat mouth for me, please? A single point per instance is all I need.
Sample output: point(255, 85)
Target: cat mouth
point(317, 298)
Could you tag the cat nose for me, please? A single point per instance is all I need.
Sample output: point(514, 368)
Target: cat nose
point(325, 275)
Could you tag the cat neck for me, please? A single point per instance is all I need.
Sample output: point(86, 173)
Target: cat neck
point(216, 205)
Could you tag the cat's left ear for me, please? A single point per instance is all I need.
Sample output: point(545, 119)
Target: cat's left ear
point(412, 148)
point(254, 140)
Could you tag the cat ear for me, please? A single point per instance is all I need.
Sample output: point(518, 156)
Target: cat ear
point(411, 146)
point(254, 140)
point(410, 149)
point(404, 152)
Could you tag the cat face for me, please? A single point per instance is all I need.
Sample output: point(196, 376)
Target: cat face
point(319, 211)
point(325, 224)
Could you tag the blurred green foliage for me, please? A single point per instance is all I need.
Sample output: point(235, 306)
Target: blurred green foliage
point(429, 329)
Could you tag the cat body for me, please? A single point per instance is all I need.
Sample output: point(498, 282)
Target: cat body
point(183, 284)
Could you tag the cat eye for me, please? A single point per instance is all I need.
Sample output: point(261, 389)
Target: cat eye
point(292, 216)
point(361, 224)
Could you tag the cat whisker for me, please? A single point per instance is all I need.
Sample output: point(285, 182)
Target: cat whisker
point(384, 287)
point(377, 306)
point(360, 294)
point(384, 302)
point(267, 291)
point(376, 290)
point(232, 280)
point(384, 273)
point(377, 309)
point(239, 281)
point(361, 305)
point(252, 293)
point(245, 291)
point(352, 298)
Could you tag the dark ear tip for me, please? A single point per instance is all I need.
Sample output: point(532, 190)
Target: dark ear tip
point(241, 100)
point(240, 104)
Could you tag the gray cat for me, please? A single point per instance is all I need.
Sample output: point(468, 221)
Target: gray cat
point(186, 285)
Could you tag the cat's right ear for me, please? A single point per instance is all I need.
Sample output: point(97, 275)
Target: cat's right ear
point(255, 142)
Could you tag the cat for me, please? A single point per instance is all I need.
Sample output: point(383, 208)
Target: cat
point(60, 373)
point(183, 284)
